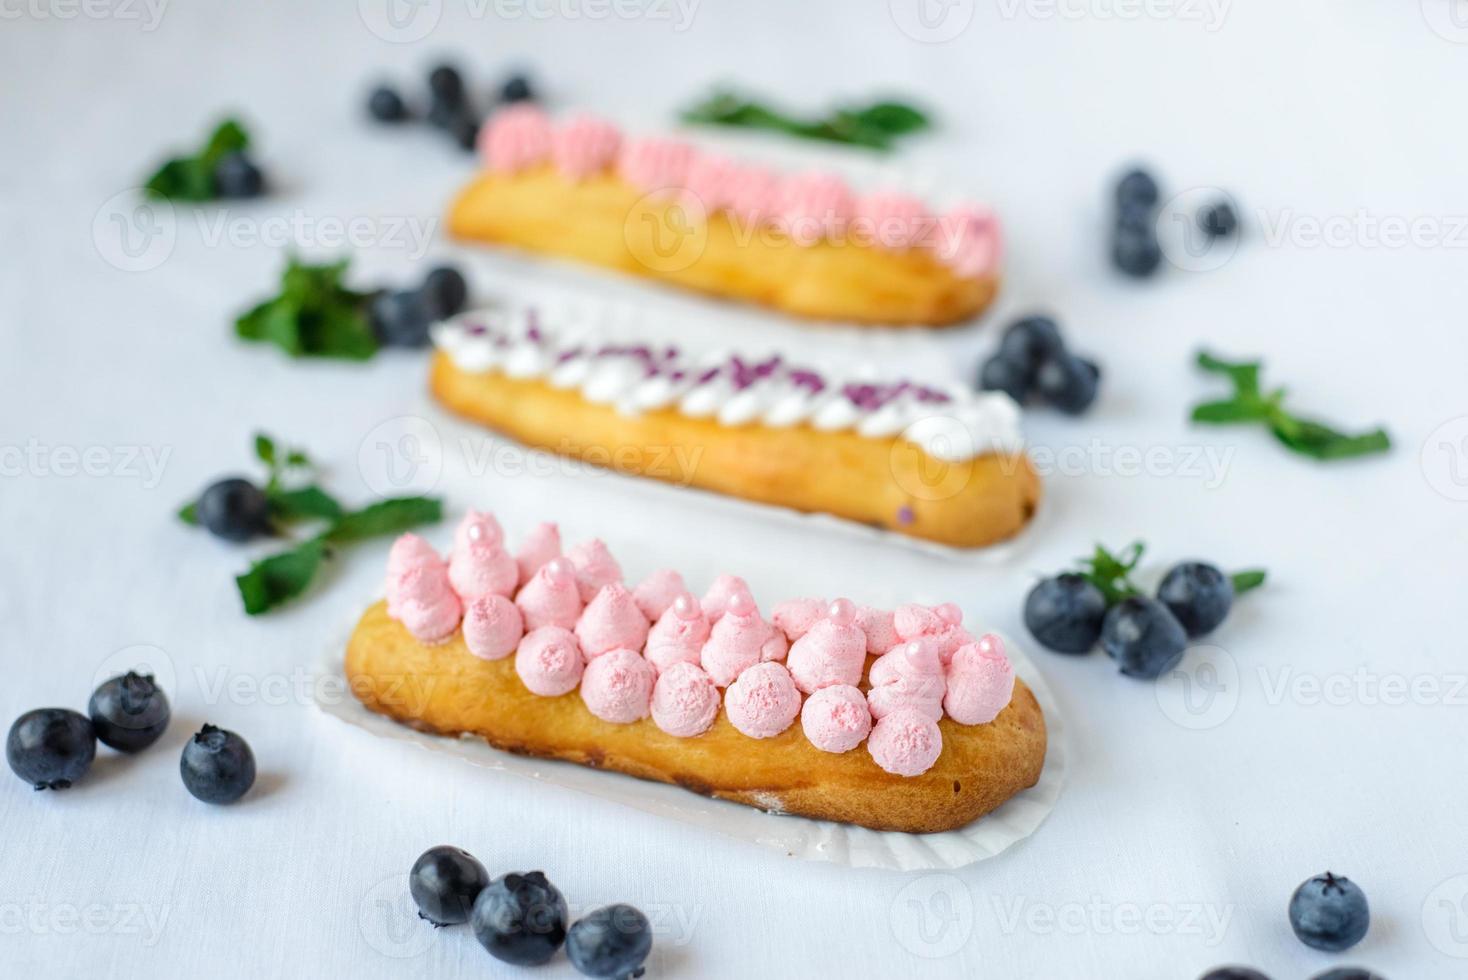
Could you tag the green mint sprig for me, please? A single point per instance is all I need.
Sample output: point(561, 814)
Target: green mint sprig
point(876, 125)
point(191, 178)
point(314, 315)
point(1111, 573)
point(1252, 405)
point(288, 503)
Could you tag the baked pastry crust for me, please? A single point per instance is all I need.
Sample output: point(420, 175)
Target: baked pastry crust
point(605, 221)
point(888, 483)
point(444, 689)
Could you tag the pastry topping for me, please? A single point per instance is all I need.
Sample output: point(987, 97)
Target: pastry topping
point(655, 163)
point(834, 651)
point(905, 743)
point(763, 701)
point(492, 626)
point(657, 592)
point(679, 634)
point(611, 620)
point(549, 661)
point(879, 627)
point(814, 206)
point(541, 545)
point(909, 677)
point(895, 222)
point(551, 598)
point(595, 567)
point(585, 146)
point(949, 422)
point(968, 241)
point(716, 599)
point(518, 137)
point(795, 617)
point(980, 682)
point(737, 640)
point(479, 564)
point(836, 718)
point(684, 700)
point(617, 686)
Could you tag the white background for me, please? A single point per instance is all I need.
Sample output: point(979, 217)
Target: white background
point(1174, 821)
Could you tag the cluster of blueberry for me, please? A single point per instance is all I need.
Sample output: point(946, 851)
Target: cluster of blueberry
point(401, 317)
point(1032, 361)
point(522, 918)
point(52, 748)
point(1327, 912)
point(1135, 249)
point(450, 107)
point(1070, 613)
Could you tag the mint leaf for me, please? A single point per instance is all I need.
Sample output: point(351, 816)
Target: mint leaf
point(281, 577)
point(392, 516)
point(304, 503)
point(1246, 580)
point(189, 514)
point(1112, 573)
point(191, 177)
point(1230, 412)
point(876, 125)
point(895, 118)
point(314, 315)
point(265, 449)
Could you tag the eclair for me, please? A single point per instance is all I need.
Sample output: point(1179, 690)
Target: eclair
point(803, 243)
point(941, 462)
point(919, 729)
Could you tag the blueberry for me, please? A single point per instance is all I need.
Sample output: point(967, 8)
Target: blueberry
point(217, 766)
point(1198, 594)
point(445, 115)
point(234, 509)
point(401, 317)
point(1137, 188)
point(235, 175)
point(1065, 613)
point(1233, 973)
point(1135, 249)
point(129, 712)
point(445, 291)
point(1143, 637)
point(444, 882)
point(1031, 340)
point(1329, 913)
point(386, 105)
point(999, 373)
point(1068, 383)
point(1218, 220)
point(465, 131)
point(520, 918)
point(1348, 973)
point(51, 748)
point(446, 85)
point(612, 942)
point(517, 89)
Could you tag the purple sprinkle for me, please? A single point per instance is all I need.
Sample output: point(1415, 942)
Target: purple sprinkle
point(678, 375)
point(804, 378)
point(502, 341)
point(567, 355)
point(478, 329)
point(905, 515)
point(670, 353)
point(708, 375)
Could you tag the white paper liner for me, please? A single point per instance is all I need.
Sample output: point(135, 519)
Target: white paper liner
point(810, 840)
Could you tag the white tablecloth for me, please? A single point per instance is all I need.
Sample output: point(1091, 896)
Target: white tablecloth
point(1335, 731)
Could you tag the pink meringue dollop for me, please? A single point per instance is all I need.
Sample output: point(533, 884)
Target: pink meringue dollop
point(836, 718)
point(912, 621)
point(540, 547)
point(908, 677)
point(515, 138)
point(834, 651)
point(482, 569)
point(905, 743)
point(968, 241)
point(685, 701)
point(895, 222)
point(492, 627)
point(585, 146)
point(611, 620)
point(878, 627)
point(710, 183)
point(549, 661)
point(425, 602)
point(763, 701)
point(752, 196)
point(478, 529)
point(656, 593)
point(679, 634)
point(795, 617)
point(595, 567)
point(408, 552)
point(814, 206)
point(551, 597)
point(736, 641)
point(724, 588)
point(617, 686)
point(656, 163)
point(980, 682)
